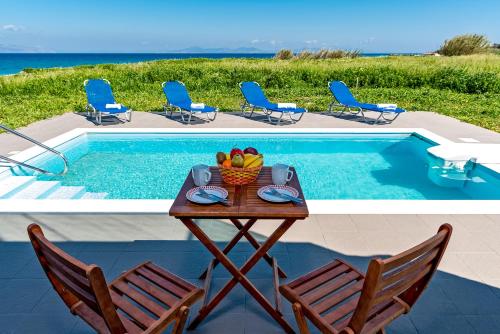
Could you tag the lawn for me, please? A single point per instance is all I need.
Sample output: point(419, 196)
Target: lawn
point(467, 88)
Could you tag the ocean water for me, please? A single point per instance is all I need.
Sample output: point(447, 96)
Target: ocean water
point(11, 63)
point(342, 166)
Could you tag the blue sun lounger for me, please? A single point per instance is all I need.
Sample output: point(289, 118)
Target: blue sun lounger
point(178, 99)
point(101, 102)
point(256, 99)
point(344, 99)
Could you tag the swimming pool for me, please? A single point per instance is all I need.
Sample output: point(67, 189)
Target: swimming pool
point(331, 166)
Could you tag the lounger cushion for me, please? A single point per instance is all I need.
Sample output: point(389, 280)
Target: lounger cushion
point(293, 111)
point(344, 96)
point(189, 108)
point(256, 97)
point(102, 108)
point(373, 107)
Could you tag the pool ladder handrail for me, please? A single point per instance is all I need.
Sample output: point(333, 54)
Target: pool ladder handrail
point(36, 142)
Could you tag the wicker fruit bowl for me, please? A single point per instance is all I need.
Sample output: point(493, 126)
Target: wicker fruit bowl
point(240, 166)
point(239, 176)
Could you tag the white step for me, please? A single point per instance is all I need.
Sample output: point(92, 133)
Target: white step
point(11, 184)
point(35, 190)
point(66, 192)
point(94, 196)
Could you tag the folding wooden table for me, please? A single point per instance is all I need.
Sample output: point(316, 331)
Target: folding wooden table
point(245, 209)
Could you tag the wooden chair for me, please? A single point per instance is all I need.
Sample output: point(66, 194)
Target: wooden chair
point(145, 299)
point(337, 298)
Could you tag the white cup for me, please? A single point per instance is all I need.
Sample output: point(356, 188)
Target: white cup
point(201, 175)
point(281, 174)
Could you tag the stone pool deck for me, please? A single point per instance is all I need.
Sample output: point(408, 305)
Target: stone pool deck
point(464, 296)
point(444, 126)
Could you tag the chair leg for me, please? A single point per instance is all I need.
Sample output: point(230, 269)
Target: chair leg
point(180, 322)
point(300, 318)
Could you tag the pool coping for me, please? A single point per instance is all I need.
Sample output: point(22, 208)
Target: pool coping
point(315, 206)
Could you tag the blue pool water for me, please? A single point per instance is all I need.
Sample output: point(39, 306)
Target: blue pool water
point(337, 166)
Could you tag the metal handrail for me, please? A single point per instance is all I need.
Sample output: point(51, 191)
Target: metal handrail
point(50, 149)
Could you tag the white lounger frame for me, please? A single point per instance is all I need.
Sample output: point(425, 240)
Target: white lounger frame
point(170, 107)
point(97, 115)
point(268, 112)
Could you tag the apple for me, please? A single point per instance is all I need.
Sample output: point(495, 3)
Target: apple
point(235, 151)
point(238, 161)
point(251, 150)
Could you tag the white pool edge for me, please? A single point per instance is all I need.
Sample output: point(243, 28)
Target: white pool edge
point(315, 206)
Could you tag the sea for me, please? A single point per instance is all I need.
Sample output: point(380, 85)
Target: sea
point(12, 63)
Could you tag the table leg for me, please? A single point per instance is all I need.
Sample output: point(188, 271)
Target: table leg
point(256, 245)
point(243, 229)
point(244, 232)
point(239, 274)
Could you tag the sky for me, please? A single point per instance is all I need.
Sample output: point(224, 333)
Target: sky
point(268, 25)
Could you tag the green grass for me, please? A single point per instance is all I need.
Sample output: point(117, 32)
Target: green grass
point(467, 88)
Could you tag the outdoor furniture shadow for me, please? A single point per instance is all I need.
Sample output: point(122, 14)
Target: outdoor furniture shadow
point(178, 99)
point(347, 103)
point(337, 298)
point(255, 99)
point(101, 102)
point(144, 299)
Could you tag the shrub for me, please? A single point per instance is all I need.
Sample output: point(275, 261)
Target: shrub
point(284, 54)
point(320, 54)
point(465, 45)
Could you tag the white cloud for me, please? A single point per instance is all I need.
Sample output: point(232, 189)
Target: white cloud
point(11, 27)
point(255, 41)
point(312, 41)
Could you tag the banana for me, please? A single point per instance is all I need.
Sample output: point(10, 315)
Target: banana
point(249, 159)
point(255, 162)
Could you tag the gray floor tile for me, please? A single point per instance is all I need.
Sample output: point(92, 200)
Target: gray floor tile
point(46, 324)
point(485, 324)
point(442, 324)
point(22, 295)
point(470, 297)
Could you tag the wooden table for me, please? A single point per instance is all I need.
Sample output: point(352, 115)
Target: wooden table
point(244, 205)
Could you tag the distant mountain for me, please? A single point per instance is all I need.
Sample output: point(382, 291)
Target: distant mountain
point(197, 49)
point(10, 48)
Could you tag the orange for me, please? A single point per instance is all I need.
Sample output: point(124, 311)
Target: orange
point(226, 164)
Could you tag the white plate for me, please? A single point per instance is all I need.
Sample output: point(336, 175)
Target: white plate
point(276, 199)
point(192, 195)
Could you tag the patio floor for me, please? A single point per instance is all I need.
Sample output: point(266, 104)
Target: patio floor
point(464, 296)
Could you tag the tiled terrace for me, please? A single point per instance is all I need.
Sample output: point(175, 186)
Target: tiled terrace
point(464, 297)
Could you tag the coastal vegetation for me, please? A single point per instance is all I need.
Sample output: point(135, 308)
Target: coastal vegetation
point(463, 45)
point(287, 54)
point(464, 87)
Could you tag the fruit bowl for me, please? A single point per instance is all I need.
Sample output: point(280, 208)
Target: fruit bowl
point(239, 176)
point(240, 166)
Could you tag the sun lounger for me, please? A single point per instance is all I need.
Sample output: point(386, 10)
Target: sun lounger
point(256, 99)
point(344, 100)
point(178, 100)
point(101, 102)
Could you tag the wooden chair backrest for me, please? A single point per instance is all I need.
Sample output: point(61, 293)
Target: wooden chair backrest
point(402, 277)
point(74, 281)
